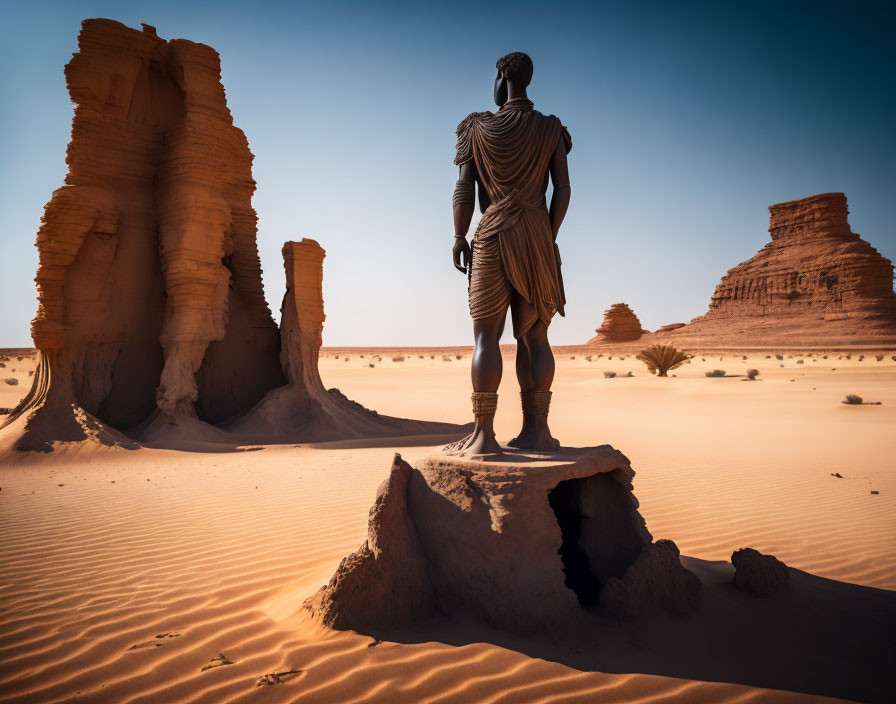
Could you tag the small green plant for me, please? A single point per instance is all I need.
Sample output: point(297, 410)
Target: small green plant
point(853, 400)
point(661, 359)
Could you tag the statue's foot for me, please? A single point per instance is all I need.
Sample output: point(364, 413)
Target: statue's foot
point(479, 442)
point(538, 438)
point(524, 439)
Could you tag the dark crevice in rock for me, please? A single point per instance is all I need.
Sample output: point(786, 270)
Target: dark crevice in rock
point(602, 533)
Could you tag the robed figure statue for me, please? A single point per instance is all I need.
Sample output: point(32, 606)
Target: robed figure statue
point(514, 262)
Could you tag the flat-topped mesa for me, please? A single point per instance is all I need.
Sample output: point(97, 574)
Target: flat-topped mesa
point(816, 217)
point(816, 283)
point(523, 544)
point(620, 324)
point(814, 264)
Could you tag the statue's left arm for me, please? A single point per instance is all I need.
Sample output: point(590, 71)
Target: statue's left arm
point(560, 181)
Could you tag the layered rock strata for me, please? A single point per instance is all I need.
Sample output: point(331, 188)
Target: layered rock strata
point(152, 315)
point(815, 283)
point(523, 544)
point(620, 324)
point(149, 281)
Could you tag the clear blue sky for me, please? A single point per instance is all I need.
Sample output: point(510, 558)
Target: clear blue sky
point(688, 120)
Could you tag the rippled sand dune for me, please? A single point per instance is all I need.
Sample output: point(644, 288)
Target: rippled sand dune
point(163, 576)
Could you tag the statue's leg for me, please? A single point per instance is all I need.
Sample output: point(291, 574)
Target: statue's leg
point(535, 372)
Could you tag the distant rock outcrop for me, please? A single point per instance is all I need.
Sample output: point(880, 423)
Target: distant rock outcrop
point(620, 325)
point(815, 283)
point(521, 544)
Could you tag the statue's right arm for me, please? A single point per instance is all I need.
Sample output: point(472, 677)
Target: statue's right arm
point(464, 204)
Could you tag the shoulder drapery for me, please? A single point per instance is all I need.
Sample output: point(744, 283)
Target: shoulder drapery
point(512, 151)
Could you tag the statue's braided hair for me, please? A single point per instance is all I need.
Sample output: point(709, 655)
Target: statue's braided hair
point(516, 67)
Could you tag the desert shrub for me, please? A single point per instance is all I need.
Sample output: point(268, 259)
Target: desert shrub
point(779, 356)
point(716, 372)
point(2, 365)
point(609, 375)
point(861, 357)
point(572, 357)
point(849, 356)
point(31, 373)
point(629, 374)
point(768, 356)
point(752, 374)
point(337, 356)
point(446, 359)
point(12, 382)
point(432, 356)
point(744, 358)
point(879, 357)
point(800, 361)
point(19, 359)
point(347, 358)
point(419, 356)
point(588, 358)
point(458, 356)
point(398, 358)
point(853, 400)
point(371, 366)
point(661, 359)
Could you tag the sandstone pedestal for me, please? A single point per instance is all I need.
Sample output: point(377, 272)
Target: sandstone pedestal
point(523, 542)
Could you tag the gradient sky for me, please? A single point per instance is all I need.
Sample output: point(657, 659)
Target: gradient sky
point(688, 120)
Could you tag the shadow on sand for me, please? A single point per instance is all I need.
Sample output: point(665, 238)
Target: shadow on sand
point(822, 637)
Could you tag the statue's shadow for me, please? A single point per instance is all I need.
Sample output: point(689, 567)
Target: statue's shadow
point(822, 637)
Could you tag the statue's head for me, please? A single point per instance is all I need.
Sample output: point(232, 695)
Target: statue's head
point(515, 68)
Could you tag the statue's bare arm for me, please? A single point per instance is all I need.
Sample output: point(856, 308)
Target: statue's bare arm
point(464, 204)
point(560, 181)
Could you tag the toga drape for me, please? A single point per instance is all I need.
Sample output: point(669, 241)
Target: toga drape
point(513, 248)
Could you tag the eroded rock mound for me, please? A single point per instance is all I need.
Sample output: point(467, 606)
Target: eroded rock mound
point(522, 544)
point(816, 282)
point(620, 325)
point(758, 574)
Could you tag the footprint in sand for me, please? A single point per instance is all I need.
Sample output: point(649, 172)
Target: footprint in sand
point(155, 643)
point(273, 678)
point(219, 661)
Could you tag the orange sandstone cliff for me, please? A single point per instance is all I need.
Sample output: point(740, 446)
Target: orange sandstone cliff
point(152, 317)
point(815, 284)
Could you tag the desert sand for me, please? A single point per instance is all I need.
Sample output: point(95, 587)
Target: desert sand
point(126, 572)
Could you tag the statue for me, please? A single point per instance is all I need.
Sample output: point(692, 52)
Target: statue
point(514, 262)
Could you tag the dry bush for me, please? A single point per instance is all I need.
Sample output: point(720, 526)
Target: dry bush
point(752, 374)
point(853, 400)
point(879, 357)
point(661, 359)
point(609, 375)
point(12, 382)
point(398, 358)
point(716, 372)
point(779, 356)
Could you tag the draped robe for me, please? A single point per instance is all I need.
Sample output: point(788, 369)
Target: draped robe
point(513, 248)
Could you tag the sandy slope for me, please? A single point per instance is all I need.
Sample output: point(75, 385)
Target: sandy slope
point(218, 550)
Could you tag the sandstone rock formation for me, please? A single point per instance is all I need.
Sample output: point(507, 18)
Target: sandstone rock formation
point(758, 574)
point(620, 325)
point(522, 544)
point(152, 314)
point(816, 283)
point(303, 410)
